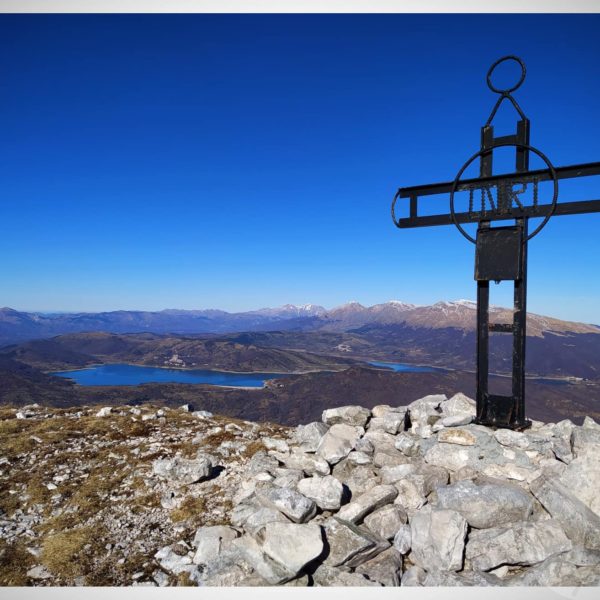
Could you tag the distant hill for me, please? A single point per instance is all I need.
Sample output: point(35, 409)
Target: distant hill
point(18, 326)
point(82, 349)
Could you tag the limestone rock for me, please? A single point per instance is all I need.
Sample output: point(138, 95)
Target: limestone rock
point(458, 405)
point(582, 478)
point(309, 436)
point(385, 568)
point(349, 415)
point(366, 503)
point(403, 539)
point(524, 543)
point(386, 521)
point(391, 474)
point(104, 412)
point(329, 576)
point(337, 443)
point(486, 505)
point(309, 463)
point(414, 577)
point(270, 570)
point(438, 539)
point(326, 491)
point(455, 435)
point(210, 540)
point(183, 471)
point(291, 503)
point(292, 545)
point(350, 545)
point(456, 420)
point(580, 523)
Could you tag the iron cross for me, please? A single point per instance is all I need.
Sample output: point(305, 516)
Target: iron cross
point(500, 251)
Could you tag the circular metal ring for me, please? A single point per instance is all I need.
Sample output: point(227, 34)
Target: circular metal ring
point(486, 150)
point(396, 221)
point(514, 87)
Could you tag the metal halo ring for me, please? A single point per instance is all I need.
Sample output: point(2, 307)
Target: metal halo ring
point(486, 150)
point(514, 87)
point(396, 221)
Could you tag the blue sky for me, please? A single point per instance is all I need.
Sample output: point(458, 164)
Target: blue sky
point(241, 161)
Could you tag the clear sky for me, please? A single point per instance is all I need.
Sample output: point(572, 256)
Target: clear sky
point(241, 161)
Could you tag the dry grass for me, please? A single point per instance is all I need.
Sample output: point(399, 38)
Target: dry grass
point(191, 508)
point(66, 553)
point(15, 561)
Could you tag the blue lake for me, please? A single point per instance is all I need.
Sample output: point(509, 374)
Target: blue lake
point(134, 375)
point(404, 368)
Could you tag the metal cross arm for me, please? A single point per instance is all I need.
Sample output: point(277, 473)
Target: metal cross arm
point(413, 193)
point(500, 251)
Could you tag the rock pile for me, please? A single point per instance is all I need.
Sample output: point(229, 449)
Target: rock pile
point(413, 495)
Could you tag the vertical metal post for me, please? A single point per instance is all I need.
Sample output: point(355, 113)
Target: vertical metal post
point(520, 297)
point(483, 292)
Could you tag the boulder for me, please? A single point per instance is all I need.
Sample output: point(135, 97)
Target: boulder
point(288, 478)
point(180, 471)
point(556, 571)
point(390, 422)
point(310, 464)
point(357, 478)
point(456, 420)
point(582, 478)
point(348, 415)
point(463, 437)
point(385, 568)
point(258, 518)
point(524, 543)
point(579, 522)
point(326, 491)
point(291, 503)
point(361, 506)
point(309, 436)
point(327, 576)
point(291, 545)
point(408, 444)
point(585, 441)
point(458, 405)
point(350, 545)
point(103, 412)
point(270, 570)
point(391, 474)
point(209, 541)
point(438, 539)
point(261, 462)
point(403, 539)
point(337, 443)
point(486, 505)
point(386, 521)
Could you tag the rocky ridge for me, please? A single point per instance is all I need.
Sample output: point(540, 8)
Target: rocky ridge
point(412, 495)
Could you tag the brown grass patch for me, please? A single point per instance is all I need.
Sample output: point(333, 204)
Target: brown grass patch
point(65, 554)
point(15, 561)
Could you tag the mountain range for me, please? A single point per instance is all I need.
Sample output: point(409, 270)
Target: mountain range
point(16, 326)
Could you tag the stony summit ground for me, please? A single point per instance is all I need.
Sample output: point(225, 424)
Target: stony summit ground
point(409, 495)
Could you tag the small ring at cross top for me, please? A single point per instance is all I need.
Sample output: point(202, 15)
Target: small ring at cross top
point(514, 87)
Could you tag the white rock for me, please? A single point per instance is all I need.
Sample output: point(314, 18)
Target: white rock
point(350, 545)
point(438, 539)
point(209, 542)
point(104, 412)
point(291, 503)
point(183, 471)
point(456, 420)
point(349, 415)
point(524, 543)
point(309, 436)
point(309, 463)
point(403, 539)
point(391, 474)
point(291, 545)
point(275, 444)
point(366, 503)
point(459, 404)
point(385, 522)
point(579, 522)
point(337, 443)
point(385, 568)
point(326, 491)
point(486, 505)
